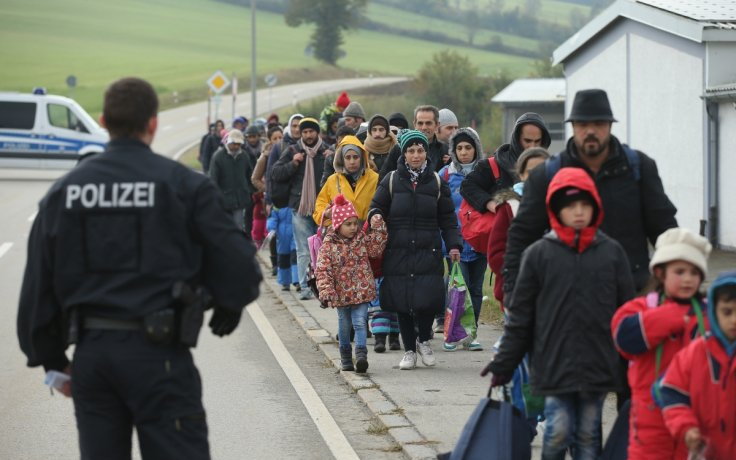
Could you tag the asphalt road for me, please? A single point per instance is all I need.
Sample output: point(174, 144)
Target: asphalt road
point(268, 391)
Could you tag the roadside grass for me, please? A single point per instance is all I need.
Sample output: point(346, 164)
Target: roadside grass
point(178, 44)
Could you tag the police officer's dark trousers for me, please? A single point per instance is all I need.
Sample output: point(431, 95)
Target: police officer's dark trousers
point(121, 380)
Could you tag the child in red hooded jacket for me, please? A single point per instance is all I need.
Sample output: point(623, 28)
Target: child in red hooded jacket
point(650, 330)
point(570, 283)
point(345, 279)
point(699, 388)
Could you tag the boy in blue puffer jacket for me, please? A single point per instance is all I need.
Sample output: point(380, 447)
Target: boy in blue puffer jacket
point(280, 222)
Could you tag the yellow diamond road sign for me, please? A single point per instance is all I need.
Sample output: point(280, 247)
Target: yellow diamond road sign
point(218, 82)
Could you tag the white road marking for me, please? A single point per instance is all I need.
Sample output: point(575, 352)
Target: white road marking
point(32, 216)
point(331, 433)
point(5, 247)
point(193, 119)
point(166, 128)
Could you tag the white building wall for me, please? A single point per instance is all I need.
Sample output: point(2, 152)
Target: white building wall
point(654, 81)
point(727, 170)
point(667, 119)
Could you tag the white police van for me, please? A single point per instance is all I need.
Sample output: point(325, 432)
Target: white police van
point(41, 130)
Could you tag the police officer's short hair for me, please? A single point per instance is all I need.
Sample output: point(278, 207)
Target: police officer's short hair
point(129, 104)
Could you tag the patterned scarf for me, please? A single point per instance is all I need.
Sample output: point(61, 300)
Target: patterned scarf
point(415, 173)
point(309, 186)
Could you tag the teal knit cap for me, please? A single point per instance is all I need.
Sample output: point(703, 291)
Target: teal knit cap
point(409, 137)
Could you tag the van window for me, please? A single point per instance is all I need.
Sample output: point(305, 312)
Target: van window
point(17, 115)
point(62, 117)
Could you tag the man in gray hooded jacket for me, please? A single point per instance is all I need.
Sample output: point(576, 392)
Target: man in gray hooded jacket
point(479, 186)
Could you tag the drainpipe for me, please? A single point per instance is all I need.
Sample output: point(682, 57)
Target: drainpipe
point(711, 108)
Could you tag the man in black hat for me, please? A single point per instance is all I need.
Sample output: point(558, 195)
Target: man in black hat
point(637, 209)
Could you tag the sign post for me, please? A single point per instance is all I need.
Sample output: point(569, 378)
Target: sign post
point(218, 82)
point(271, 81)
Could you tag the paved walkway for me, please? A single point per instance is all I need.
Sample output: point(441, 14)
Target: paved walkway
point(423, 409)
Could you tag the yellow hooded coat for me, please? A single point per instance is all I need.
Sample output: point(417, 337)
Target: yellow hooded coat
point(337, 183)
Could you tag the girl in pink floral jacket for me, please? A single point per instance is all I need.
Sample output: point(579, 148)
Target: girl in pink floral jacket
point(344, 276)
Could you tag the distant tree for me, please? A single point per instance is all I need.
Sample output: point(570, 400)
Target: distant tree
point(543, 67)
point(472, 20)
point(451, 80)
point(331, 18)
point(532, 7)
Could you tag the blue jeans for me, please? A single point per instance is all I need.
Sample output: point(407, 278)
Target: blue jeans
point(355, 316)
point(573, 420)
point(304, 227)
point(474, 273)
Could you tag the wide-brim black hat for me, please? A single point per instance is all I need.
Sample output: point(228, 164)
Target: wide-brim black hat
point(591, 105)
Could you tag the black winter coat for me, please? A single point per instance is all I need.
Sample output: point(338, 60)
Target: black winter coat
point(635, 211)
point(273, 157)
point(413, 267)
point(286, 171)
point(561, 313)
point(231, 174)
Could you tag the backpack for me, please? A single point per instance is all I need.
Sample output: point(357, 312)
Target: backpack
point(280, 191)
point(552, 165)
point(476, 226)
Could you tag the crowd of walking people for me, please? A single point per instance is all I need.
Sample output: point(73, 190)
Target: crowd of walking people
point(587, 310)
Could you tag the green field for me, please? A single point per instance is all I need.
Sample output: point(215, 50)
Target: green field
point(557, 11)
point(178, 44)
point(402, 19)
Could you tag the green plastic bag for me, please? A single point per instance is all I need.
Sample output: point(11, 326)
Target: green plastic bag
point(467, 320)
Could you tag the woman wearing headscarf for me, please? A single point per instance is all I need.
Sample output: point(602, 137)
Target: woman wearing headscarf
point(465, 150)
point(417, 207)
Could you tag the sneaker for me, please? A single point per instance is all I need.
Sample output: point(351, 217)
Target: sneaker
point(285, 288)
point(449, 347)
point(439, 327)
point(426, 353)
point(305, 294)
point(474, 346)
point(297, 286)
point(409, 361)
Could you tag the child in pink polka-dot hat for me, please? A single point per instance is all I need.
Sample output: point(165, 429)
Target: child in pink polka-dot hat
point(345, 279)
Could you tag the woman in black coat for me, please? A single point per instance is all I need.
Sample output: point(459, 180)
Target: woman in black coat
point(418, 208)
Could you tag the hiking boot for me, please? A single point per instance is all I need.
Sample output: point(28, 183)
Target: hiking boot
point(361, 359)
point(285, 288)
point(393, 342)
point(425, 352)
point(346, 359)
point(449, 347)
point(380, 345)
point(473, 346)
point(409, 361)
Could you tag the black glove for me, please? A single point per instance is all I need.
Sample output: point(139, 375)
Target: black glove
point(224, 321)
point(497, 380)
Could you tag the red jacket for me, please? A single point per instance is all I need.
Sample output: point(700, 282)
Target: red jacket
point(699, 390)
point(344, 275)
point(638, 327)
point(505, 213)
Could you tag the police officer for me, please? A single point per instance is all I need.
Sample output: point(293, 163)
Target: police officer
point(111, 240)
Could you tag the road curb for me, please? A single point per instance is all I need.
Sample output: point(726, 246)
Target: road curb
point(414, 445)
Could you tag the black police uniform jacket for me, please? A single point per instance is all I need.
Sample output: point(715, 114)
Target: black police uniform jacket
point(570, 285)
point(413, 267)
point(284, 171)
point(636, 211)
point(114, 234)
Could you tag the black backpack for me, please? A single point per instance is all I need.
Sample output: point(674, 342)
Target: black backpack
point(280, 191)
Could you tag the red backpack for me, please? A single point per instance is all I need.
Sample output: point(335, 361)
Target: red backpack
point(476, 226)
